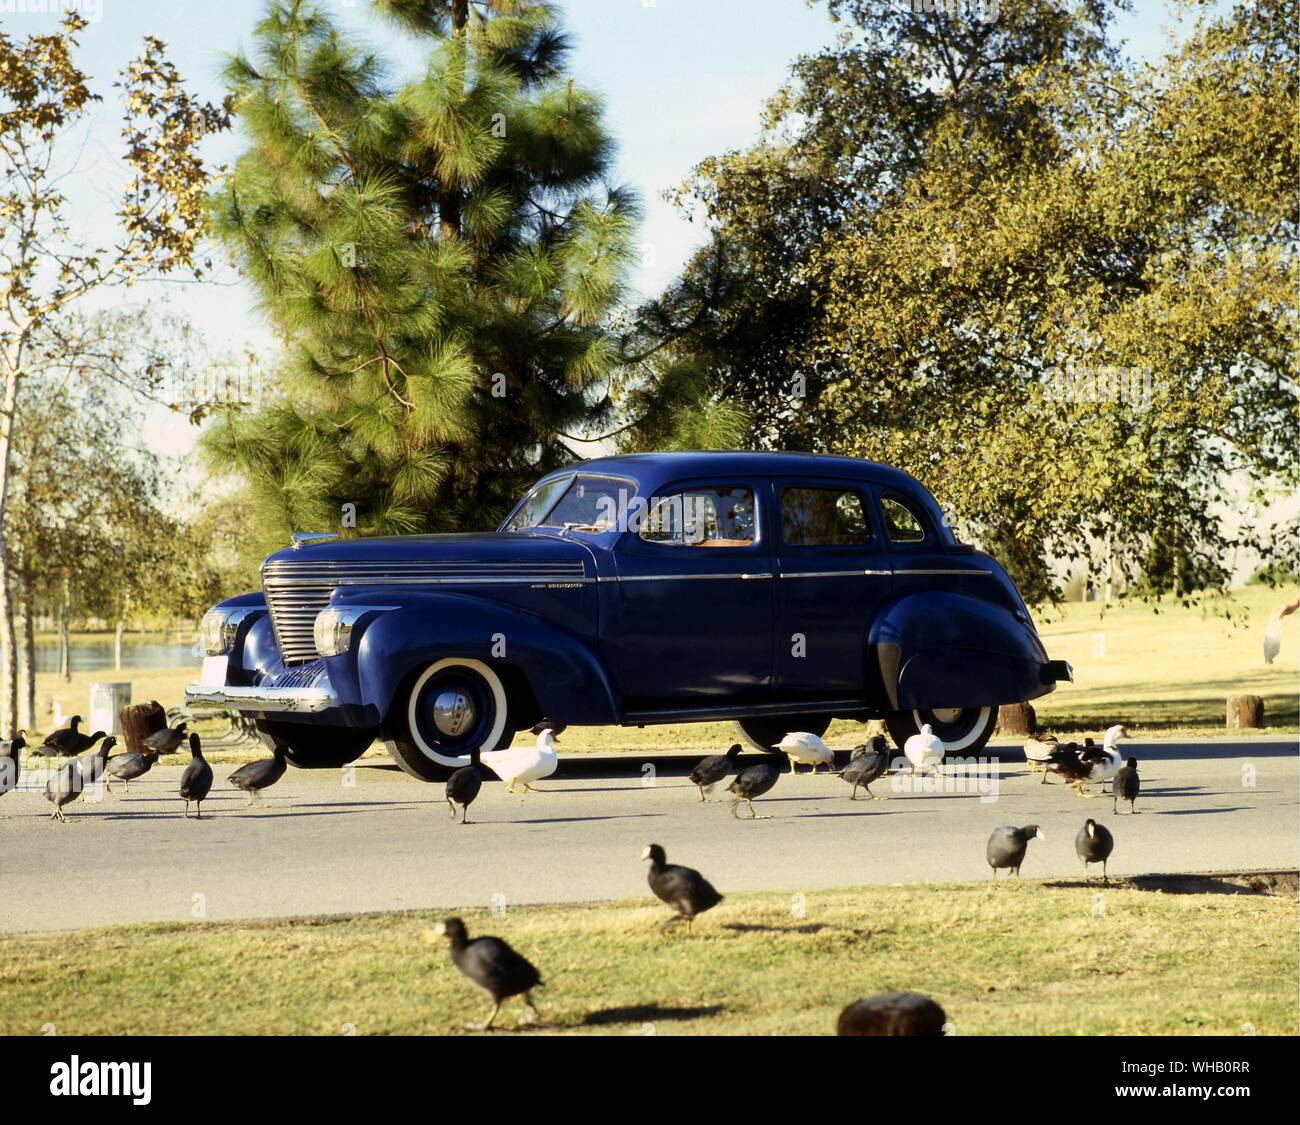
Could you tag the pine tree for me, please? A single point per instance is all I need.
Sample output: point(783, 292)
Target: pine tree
point(444, 260)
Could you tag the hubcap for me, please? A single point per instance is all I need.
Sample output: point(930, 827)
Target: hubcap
point(453, 712)
point(947, 714)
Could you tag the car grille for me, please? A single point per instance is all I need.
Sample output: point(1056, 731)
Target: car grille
point(297, 590)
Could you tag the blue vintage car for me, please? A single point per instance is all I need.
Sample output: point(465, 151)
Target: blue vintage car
point(779, 590)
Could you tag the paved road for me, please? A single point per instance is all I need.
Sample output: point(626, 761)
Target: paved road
point(386, 841)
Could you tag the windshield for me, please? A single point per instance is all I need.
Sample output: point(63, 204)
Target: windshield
point(585, 503)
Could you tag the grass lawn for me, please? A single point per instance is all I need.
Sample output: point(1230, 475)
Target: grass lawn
point(1167, 674)
point(1029, 958)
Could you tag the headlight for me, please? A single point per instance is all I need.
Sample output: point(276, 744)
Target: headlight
point(333, 630)
point(218, 628)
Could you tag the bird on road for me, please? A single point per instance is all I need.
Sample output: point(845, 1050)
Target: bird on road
point(1125, 787)
point(1007, 846)
point(868, 764)
point(753, 781)
point(11, 761)
point(491, 965)
point(924, 750)
point(63, 788)
point(1273, 630)
point(127, 767)
point(683, 888)
point(892, 1013)
point(168, 740)
point(1093, 844)
point(1103, 762)
point(709, 771)
point(1038, 752)
point(93, 762)
point(526, 764)
point(262, 774)
point(803, 746)
point(196, 781)
point(463, 786)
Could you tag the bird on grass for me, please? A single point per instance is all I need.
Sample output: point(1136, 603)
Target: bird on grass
point(803, 746)
point(1007, 846)
point(492, 966)
point(262, 774)
point(1093, 844)
point(1273, 630)
point(751, 782)
point(1125, 787)
point(525, 764)
point(892, 1013)
point(127, 767)
point(196, 781)
point(463, 787)
point(683, 888)
point(924, 750)
point(11, 761)
point(168, 740)
point(713, 769)
point(868, 764)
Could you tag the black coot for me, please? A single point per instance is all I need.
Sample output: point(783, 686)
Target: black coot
point(1125, 786)
point(1006, 847)
point(62, 742)
point(127, 767)
point(1093, 844)
point(256, 776)
point(709, 771)
point(196, 781)
point(492, 966)
point(892, 1013)
point(683, 888)
point(168, 740)
point(463, 786)
point(751, 782)
point(63, 788)
point(868, 763)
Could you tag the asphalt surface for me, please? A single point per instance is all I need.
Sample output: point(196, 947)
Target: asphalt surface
point(327, 842)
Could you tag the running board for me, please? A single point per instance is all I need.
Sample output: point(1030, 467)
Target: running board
point(757, 711)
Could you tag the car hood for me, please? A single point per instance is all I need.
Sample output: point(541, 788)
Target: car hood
point(489, 548)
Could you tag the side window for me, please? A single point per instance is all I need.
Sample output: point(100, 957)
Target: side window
point(702, 517)
point(823, 517)
point(902, 525)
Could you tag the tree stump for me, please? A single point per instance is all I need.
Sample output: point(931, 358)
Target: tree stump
point(140, 721)
point(1017, 718)
point(1245, 711)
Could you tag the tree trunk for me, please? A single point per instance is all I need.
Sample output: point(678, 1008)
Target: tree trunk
point(8, 642)
point(449, 198)
point(1016, 718)
point(29, 653)
point(65, 661)
point(1245, 712)
point(117, 645)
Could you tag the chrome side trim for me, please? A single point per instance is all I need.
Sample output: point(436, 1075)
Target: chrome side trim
point(743, 576)
point(299, 701)
point(836, 573)
point(956, 570)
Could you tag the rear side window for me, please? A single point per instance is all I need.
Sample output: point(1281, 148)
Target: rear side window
point(902, 525)
point(823, 517)
point(702, 517)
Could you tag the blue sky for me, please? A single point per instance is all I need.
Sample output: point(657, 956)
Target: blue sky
point(682, 79)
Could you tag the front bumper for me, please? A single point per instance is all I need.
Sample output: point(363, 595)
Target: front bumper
point(261, 700)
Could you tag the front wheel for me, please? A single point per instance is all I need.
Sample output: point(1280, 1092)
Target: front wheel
point(763, 734)
point(960, 729)
point(446, 710)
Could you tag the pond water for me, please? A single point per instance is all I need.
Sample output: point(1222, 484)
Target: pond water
point(96, 654)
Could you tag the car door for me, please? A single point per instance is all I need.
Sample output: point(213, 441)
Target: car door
point(833, 575)
point(693, 621)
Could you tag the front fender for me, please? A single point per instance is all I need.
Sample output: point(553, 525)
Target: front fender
point(951, 650)
point(568, 681)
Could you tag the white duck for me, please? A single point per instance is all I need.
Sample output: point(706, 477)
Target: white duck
point(1038, 751)
point(526, 763)
point(802, 746)
point(924, 750)
point(1273, 630)
point(1104, 762)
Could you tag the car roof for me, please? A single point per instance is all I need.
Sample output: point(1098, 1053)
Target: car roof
point(652, 468)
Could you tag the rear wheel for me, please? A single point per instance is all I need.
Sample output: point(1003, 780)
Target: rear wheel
point(764, 733)
point(450, 707)
point(961, 729)
point(316, 748)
